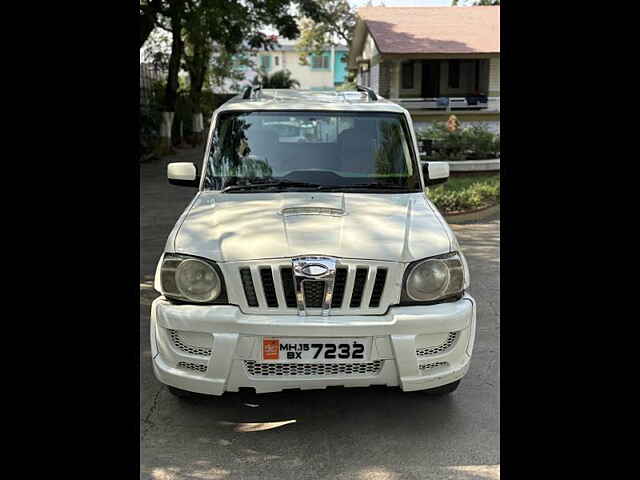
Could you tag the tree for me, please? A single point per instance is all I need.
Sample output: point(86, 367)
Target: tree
point(279, 79)
point(334, 22)
point(226, 27)
point(147, 16)
point(197, 27)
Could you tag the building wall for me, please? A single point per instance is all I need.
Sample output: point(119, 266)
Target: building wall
point(309, 78)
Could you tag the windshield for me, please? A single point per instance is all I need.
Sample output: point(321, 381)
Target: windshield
point(301, 151)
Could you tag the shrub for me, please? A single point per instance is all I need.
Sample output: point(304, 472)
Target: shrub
point(475, 142)
point(466, 193)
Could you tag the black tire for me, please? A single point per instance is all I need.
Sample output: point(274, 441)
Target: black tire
point(183, 394)
point(443, 389)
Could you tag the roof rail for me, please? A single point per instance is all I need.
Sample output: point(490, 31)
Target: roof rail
point(249, 90)
point(372, 95)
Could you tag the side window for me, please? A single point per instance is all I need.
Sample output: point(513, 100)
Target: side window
point(319, 61)
point(276, 61)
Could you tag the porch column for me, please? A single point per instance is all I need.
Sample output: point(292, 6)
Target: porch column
point(394, 87)
point(494, 83)
point(494, 77)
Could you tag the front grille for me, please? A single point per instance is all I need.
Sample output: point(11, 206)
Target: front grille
point(255, 369)
point(249, 289)
point(197, 367)
point(185, 347)
point(288, 287)
point(338, 287)
point(443, 347)
point(358, 287)
point(378, 287)
point(313, 293)
point(361, 287)
point(269, 287)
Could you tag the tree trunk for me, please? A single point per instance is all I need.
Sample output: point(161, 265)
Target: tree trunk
point(177, 48)
point(197, 72)
point(171, 91)
point(165, 129)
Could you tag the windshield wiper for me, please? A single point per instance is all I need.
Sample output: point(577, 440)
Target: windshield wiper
point(268, 184)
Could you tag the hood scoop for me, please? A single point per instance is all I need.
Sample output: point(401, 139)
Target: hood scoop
point(294, 211)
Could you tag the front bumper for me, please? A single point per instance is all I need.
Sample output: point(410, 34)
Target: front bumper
point(208, 349)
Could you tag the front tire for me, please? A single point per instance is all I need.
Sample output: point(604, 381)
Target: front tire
point(183, 394)
point(443, 389)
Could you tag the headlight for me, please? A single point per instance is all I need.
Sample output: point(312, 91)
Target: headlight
point(435, 278)
point(191, 279)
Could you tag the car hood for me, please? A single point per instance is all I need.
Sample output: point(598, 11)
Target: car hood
point(232, 227)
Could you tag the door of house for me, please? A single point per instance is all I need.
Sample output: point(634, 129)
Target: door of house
point(430, 78)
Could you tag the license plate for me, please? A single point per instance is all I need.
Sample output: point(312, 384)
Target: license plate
point(315, 350)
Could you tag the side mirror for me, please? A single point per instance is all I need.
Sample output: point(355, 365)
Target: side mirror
point(183, 174)
point(435, 172)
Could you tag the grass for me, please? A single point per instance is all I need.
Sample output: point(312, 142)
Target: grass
point(467, 192)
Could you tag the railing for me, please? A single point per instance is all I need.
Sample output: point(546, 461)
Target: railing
point(448, 104)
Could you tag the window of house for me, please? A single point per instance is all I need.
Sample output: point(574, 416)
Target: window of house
point(319, 61)
point(454, 73)
point(276, 61)
point(407, 75)
point(265, 62)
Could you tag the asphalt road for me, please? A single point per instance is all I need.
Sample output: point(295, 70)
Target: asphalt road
point(364, 434)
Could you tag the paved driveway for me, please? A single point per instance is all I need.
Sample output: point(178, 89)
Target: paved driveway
point(365, 434)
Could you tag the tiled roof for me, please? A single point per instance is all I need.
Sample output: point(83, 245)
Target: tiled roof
point(434, 29)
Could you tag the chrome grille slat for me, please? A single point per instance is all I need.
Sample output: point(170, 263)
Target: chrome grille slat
point(368, 288)
point(277, 281)
point(348, 289)
point(257, 281)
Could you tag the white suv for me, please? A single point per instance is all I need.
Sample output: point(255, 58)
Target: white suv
point(314, 264)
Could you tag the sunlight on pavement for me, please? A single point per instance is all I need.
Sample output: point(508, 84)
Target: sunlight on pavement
point(258, 427)
point(172, 474)
point(490, 472)
point(377, 474)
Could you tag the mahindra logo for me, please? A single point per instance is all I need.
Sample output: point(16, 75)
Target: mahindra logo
point(315, 270)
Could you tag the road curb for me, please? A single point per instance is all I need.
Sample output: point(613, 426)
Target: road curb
point(473, 215)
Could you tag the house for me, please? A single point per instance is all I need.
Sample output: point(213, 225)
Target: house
point(323, 72)
point(434, 61)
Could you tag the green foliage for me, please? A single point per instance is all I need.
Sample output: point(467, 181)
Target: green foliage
point(346, 87)
point(335, 19)
point(279, 79)
point(475, 142)
point(466, 193)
